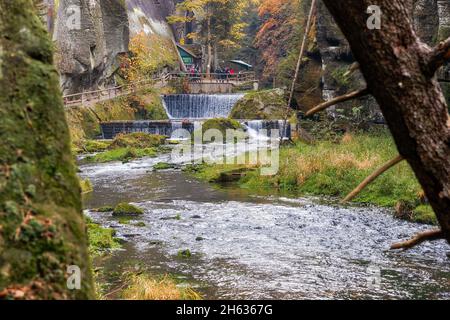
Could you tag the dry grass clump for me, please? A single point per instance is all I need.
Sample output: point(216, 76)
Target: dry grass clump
point(145, 287)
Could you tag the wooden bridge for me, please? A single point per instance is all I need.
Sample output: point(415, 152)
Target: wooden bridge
point(197, 82)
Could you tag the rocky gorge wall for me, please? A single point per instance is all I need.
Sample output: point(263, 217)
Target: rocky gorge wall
point(431, 20)
point(88, 54)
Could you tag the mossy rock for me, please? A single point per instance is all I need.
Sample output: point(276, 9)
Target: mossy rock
point(122, 154)
point(92, 146)
point(126, 209)
point(222, 125)
point(104, 209)
point(138, 140)
point(184, 254)
point(140, 224)
point(163, 166)
point(101, 240)
point(261, 105)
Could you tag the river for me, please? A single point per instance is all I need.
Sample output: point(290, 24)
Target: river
point(253, 246)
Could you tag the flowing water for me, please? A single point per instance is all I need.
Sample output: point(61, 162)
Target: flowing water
point(246, 245)
point(200, 106)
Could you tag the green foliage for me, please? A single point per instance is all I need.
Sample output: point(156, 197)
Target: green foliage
point(126, 209)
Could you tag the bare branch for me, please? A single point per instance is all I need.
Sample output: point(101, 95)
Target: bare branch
point(353, 68)
point(439, 56)
point(431, 235)
point(372, 178)
point(344, 98)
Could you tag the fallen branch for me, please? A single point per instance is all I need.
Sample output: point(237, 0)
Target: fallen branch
point(431, 235)
point(372, 177)
point(439, 56)
point(344, 98)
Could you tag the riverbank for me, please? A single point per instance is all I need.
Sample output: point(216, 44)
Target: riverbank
point(334, 169)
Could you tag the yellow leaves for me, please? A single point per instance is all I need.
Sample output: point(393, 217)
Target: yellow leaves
point(147, 53)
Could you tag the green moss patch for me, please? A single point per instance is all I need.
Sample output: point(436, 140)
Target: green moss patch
point(126, 209)
point(122, 154)
point(101, 240)
point(163, 166)
point(137, 140)
point(104, 209)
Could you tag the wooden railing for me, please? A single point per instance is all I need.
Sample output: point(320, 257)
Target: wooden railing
point(237, 78)
point(91, 97)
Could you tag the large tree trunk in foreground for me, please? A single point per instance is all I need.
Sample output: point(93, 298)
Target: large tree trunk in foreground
point(400, 74)
point(42, 232)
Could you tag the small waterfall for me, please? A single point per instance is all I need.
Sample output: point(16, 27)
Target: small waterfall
point(199, 106)
point(255, 128)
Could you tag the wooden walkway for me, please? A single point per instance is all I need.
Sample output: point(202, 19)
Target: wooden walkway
point(90, 98)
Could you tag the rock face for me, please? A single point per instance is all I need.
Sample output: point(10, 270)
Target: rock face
point(89, 48)
point(431, 21)
point(42, 232)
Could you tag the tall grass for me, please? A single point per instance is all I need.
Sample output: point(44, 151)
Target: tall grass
point(330, 168)
point(145, 287)
point(335, 169)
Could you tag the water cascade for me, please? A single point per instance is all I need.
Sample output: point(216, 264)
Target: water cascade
point(200, 106)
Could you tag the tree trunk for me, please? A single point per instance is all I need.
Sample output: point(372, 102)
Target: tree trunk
point(210, 53)
point(399, 70)
point(42, 231)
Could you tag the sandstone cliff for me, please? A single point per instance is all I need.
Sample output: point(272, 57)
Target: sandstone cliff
point(88, 54)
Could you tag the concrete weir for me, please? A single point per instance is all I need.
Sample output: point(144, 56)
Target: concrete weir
point(167, 127)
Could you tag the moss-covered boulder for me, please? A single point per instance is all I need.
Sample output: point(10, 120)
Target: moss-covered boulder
point(42, 230)
point(221, 124)
point(163, 166)
point(126, 209)
point(261, 105)
point(137, 140)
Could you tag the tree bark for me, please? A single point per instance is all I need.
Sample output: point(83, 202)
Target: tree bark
point(396, 65)
point(42, 229)
point(208, 66)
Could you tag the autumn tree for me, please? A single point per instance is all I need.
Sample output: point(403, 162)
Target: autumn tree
point(279, 34)
point(147, 54)
point(400, 71)
point(220, 22)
